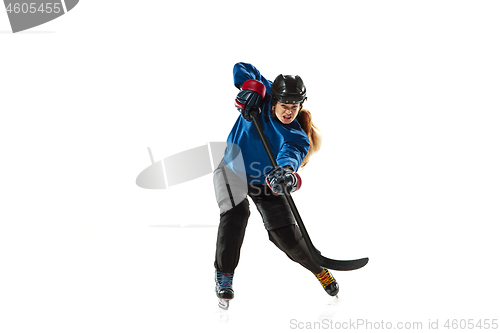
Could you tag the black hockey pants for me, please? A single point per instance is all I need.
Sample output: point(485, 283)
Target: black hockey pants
point(276, 214)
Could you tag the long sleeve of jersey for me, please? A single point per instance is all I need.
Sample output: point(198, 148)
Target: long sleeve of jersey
point(243, 72)
point(293, 153)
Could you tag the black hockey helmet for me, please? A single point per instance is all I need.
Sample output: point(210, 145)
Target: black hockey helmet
point(288, 89)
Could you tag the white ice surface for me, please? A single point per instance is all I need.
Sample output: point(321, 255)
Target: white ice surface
point(407, 97)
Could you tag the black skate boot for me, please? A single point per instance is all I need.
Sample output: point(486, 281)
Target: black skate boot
point(224, 288)
point(328, 282)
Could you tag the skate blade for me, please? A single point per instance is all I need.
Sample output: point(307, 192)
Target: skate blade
point(223, 303)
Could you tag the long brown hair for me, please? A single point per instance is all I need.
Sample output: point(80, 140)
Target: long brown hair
point(305, 120)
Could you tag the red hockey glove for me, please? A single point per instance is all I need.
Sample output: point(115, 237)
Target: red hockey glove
point(250, 98)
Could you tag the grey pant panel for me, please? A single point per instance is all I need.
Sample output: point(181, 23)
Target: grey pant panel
point(230, 190)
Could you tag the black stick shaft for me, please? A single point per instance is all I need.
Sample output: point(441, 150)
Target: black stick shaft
point(291, 203)
point(264, 141)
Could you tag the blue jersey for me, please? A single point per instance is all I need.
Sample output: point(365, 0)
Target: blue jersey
point(245, 153)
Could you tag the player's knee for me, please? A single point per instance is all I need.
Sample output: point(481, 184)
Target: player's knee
point(240, 212)
point(285, 238)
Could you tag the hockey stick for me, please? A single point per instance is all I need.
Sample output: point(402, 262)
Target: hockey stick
point(338, 265)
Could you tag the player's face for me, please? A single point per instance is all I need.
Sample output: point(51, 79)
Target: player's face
point(286, 113)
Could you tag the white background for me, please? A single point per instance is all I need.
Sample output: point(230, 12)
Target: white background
point(406, 94)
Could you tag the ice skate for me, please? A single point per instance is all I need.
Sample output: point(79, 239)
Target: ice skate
point(328, 282)
point(224, 288)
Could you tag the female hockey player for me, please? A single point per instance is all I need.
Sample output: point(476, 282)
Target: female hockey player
point(246, 171)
